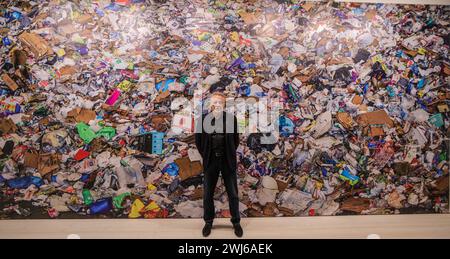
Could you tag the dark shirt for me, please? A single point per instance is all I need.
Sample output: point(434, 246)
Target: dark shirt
point(218, 139)
point(218, 142)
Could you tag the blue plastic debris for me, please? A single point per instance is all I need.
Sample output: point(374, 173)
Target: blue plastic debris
point(24, 182)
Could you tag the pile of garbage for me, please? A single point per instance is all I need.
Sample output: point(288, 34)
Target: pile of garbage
point(92, 93)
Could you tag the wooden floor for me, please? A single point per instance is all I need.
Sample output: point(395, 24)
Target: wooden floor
point(390, 226)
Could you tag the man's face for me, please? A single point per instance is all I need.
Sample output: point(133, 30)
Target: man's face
point(217, 103)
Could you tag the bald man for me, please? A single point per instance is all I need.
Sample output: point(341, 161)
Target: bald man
point(217, 142)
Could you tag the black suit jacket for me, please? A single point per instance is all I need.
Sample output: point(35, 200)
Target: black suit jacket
point(203, 142)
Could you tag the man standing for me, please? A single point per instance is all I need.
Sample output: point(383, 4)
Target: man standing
point(217, 139)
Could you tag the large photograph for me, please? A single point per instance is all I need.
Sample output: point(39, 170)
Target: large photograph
point(340, 108)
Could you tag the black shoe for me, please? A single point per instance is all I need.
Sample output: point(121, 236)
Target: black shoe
point(238, 230)
point(207, 229)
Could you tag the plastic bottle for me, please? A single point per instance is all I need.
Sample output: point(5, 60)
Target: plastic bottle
point(87, 197)
point(101, 206)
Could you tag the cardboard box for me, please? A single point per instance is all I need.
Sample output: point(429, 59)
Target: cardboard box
point(356, 204)
point(81, 115)
point(67, 72)
point(379, 117)
point(48, 163)
point(283, 182)
point(36, 44)
point(31, 159)
point(250, 18)
point(7, 126)
point(357, 100)
point(10, 82)
point(376, 131)
point(345, 120)
point(187, 168)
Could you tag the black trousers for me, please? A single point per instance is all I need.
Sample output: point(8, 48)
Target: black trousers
point(219, 166)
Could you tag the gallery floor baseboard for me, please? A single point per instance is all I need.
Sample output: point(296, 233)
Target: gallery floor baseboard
point(386, 226)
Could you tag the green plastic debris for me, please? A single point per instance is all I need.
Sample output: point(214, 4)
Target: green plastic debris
point(125, 85)
point(442, 156)
point(118, 200)
point(437, 120)
point(107, 132)
point(184, 79)
point(87, 197)
point(124, 163)
point(85, 132)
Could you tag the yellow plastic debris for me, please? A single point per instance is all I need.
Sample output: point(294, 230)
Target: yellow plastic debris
point(152, 206)
point(151, 187)
point(60, 52)
point(234, 36)
point(136, 209)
